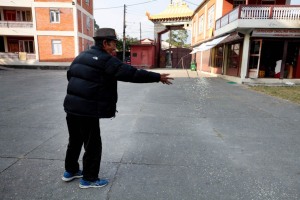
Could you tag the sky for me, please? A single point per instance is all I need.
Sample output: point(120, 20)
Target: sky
point(109, 14)
point(135, 15)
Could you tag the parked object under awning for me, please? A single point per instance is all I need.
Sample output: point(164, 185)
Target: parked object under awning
point(208, 45)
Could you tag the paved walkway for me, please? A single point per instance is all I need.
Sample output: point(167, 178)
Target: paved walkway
point(200, 138)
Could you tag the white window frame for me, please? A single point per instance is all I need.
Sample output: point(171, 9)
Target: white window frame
point(56, 47)
point(200, 24)
point(25, 45)
point(211, 17)
point(54, 16)
point(88, 23)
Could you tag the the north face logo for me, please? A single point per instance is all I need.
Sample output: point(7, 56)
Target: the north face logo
point(95, 58)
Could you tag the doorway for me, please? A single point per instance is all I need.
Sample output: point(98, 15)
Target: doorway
point(292, 65)
point(271, 58)
point(2, 47)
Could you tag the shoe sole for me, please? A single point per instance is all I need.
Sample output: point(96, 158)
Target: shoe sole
point(70, 179)
point(91, 186)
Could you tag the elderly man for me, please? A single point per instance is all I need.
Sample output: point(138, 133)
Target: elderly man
point(91, 95)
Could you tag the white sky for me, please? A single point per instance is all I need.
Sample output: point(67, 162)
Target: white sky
point(113, 18)
point(136, 14)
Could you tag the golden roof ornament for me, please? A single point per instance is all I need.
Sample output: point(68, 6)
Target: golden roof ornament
point(177, 9)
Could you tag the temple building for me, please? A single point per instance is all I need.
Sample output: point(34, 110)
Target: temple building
point(248, 41)
point(177, 16)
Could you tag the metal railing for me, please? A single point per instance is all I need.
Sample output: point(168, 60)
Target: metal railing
point(15, 24)
point(260, 12)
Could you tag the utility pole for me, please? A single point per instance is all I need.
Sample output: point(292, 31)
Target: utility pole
point(140, 33)
point(170, 52)
point(124, 35)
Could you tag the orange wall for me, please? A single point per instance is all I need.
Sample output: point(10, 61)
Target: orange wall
point(227, 7)
point(88, 8)
point(84, 44)
point(45, 49)
point(79, 21)
point(43, 20)
point(203, 10)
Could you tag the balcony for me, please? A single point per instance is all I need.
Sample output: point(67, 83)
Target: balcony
point(16, 28)
point(256, 16)
point(15, 24)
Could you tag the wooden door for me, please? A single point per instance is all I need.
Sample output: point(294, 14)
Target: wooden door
point(13, 46)
point(10, 15)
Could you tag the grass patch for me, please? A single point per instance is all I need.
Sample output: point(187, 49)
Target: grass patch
point(291, 93)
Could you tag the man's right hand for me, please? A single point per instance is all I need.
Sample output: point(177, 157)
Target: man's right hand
point(165, 79)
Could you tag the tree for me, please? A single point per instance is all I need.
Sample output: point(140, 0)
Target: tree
point(178, 38)
point(96, 26)
point(129, 41)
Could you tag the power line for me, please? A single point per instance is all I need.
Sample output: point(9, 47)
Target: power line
point(126, 5)
point(192, 3)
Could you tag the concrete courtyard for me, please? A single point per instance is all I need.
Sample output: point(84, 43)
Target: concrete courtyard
point(200, 138)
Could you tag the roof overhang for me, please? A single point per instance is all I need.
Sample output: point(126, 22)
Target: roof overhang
point(208, 45)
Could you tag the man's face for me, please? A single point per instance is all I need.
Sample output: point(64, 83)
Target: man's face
point(110, 46)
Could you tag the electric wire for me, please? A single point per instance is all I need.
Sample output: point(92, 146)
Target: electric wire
point(126, 5)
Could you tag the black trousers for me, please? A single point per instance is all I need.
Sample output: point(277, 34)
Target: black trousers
point(84, 131)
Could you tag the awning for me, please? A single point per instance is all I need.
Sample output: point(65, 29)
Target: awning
point(208, 45)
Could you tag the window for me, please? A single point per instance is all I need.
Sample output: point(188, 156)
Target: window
point(23, 15)
point(56, 47)
point(88, 23)
point(54, 16)
point(211, 17)
point(219, 56)
point(87, 2)
point(234, 56)
point(200, 24)
point(26, 46)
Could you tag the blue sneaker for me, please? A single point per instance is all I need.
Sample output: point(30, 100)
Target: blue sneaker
point(93, 184)
point(69, 176)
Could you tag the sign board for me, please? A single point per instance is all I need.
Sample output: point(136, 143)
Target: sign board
point(276, 33)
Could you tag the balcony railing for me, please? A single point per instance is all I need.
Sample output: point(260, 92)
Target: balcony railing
point(260, 12)
point(15, 56)
point(15, 24)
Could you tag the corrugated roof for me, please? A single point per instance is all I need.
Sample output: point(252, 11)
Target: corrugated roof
point(175, 10)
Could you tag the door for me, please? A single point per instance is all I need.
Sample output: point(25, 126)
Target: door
point(254, 61)
point(144, 58)
point(9, 15)
point(13, 46)
point(234, 57)
point(2, 48)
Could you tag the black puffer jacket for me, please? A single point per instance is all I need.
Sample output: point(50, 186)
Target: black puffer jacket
point(92, 87)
